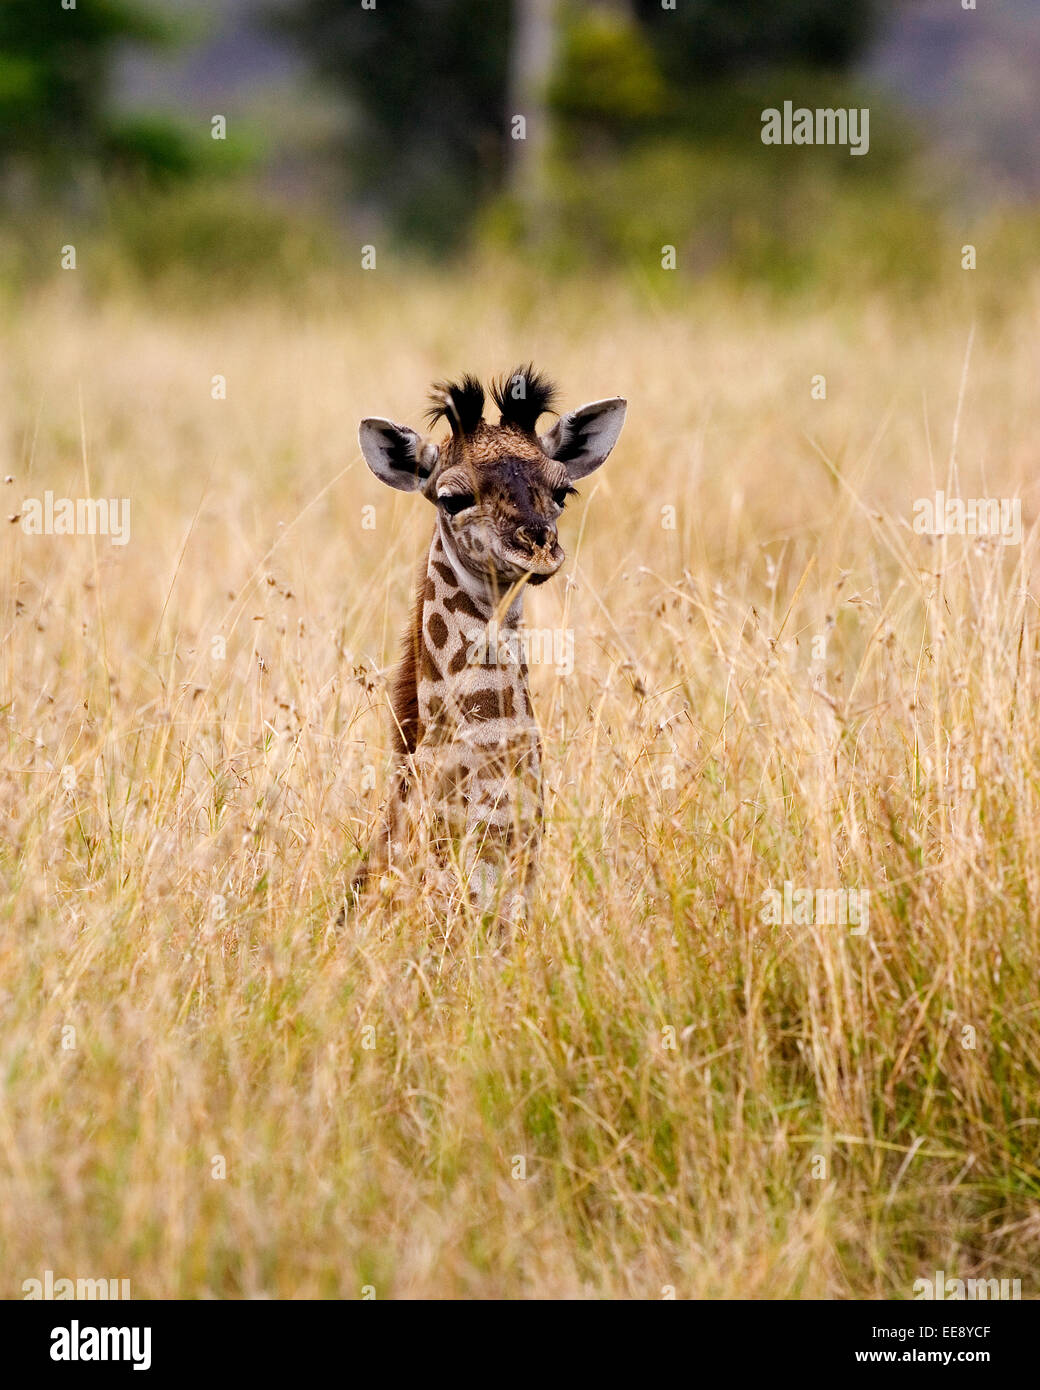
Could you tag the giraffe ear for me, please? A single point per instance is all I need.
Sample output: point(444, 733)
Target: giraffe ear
point(582, 439)
point(396, 454)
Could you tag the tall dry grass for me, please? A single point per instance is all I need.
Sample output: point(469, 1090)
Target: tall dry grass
point(655, 1088)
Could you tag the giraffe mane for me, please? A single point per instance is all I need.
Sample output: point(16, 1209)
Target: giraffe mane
point(460, 403)
point(537, 395)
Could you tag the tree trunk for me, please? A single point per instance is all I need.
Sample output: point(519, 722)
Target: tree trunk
point(531, 64)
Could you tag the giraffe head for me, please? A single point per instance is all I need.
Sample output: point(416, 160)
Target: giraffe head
point(498, 489)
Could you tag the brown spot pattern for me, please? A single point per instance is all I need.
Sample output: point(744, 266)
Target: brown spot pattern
point(460, 602)
point(428, 668)
point(460, 660)
point(487, 704)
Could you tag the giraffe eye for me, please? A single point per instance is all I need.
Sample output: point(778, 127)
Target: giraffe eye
point(562, 493)
point(455, 502)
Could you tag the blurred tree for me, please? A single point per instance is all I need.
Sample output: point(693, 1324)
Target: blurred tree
point(427, 81)
point(532, 61)
point(57, 126)
point(712, 39)
point(433, 84)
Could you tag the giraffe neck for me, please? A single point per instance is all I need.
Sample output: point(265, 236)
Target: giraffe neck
point(470, 676)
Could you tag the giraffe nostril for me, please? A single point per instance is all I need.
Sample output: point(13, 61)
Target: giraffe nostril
point(533, 535)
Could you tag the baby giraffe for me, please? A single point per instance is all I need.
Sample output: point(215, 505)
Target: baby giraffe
point(469, 784)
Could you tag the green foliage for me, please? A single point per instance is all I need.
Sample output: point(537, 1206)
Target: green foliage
point(607, 73)
point(153, 144)
point(216, 236)
point(788, 216)
point(64, 148)
point(55, 109)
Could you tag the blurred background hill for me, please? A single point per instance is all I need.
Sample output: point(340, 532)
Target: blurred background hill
point(583, 134)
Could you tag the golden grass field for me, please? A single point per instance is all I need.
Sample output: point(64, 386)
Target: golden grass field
point(702, 1102)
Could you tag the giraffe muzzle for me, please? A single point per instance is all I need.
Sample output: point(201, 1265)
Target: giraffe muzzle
point(536, 551)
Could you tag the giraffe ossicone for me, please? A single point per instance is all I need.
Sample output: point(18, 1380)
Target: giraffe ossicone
point(467, 801)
